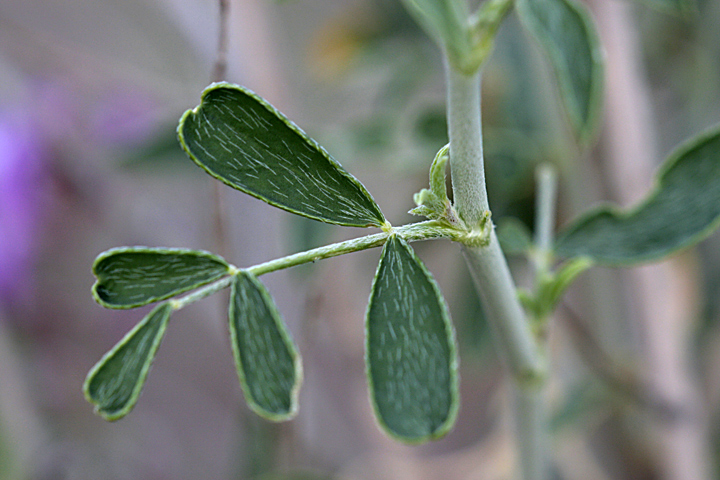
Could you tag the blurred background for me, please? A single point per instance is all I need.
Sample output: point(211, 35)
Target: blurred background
point(90, 95)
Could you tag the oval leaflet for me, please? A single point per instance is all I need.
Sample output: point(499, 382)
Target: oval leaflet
point(243, 141)
point(130, 277)
point(410, 351)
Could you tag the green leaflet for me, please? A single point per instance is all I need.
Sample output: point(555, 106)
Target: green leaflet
point(410, 349)
point(130, 277)
point(115, 382)
point(565, 31)
point(243, 141)
point(682, 209)
point(266, 358)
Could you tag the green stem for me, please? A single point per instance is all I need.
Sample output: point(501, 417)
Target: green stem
point(490, 271)
point(327, 251)
point(466, 150)
point(532, 431)
point(412, 232)
point(488, 266)
point(205, 291)
point(546, 179)
point(497, 291)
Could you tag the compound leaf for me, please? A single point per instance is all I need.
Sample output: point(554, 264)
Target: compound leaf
point(115, 382)
point(565, 31)
point(410, 349)
point(266, 358)
point(682, 209)
point(130, 277)
point(243, 141)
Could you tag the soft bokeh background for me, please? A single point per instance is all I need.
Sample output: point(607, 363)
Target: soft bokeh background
point(90, 93)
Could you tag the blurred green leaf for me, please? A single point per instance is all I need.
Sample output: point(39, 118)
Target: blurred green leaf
point(410, 349)
point(514, 236)
point(243, 141)
point(681, 210)
point(563, 277)
point(266, 358)
point(159, 153)
point(566, 32)
point(551, 287)
point(115, 382)
point(682, 7)
point(130, 277)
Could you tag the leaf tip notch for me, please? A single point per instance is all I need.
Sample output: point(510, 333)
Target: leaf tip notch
point(130, 277)
point(243, 141)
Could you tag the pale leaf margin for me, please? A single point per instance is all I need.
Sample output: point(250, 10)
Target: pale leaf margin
point(378, 219)
point(287, 340)
point(164, 310)
point(113, 252)
point(451, 418)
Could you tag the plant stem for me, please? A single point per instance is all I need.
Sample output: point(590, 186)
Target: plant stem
point(532, 431)
point(497, 291)
point(412, 232)
point(205, 291)
point(219, 73)
point(490, 271)
point(466, 150)
point(488, 266)
point(546, 179)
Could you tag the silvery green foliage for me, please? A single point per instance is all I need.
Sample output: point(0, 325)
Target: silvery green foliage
point(115, 382)
point(411, 360)
point(266, 358)
point(243, 141)
point(130, 277)
point(410, 349)
point(682, 209)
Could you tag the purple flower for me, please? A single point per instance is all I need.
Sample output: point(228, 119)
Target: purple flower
point(23, 192)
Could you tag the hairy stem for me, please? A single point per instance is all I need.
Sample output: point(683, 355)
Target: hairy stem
point(412, 232)
point(496, 288)
point(466, 150)
point(491, 274)
point(205, 291)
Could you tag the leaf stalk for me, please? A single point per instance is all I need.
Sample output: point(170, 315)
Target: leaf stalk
point(411, 233)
